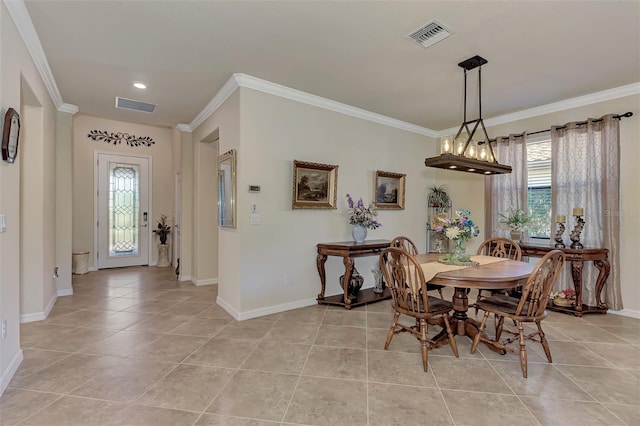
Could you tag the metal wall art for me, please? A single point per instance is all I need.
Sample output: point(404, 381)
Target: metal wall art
point(119, 137)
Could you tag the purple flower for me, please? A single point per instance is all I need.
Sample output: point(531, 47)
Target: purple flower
point(360, 204)
point(350, 201)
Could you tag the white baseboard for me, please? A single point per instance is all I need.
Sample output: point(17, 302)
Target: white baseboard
point(260, 312)
point(210, 281)
point(626, 313)
point(92, 268)
point(184, 278)
point(11, 371)
point(39, 316)
point(65, 292)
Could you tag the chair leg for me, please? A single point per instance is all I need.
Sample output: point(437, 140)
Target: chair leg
point(452, 339)
point(499, 326)
point(476, 338)
point(545, 343)
point(392, 330)
point(424, 344)
point(523, 350)
point(478, 298)
point(440, 293)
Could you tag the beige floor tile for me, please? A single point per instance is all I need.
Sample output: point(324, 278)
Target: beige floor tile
point(71, 411)
point(186, 308)
point(150, 306)
point(555, 411)
point(344, 317)
point(322, 401)
point(169, 348)
point(288, 332)
point(339, 363)
point(39, 332)
point(490, 409)
point(623, 356)
point(215, 312)
point(188, 387)
point(572, 353)
point(398, 368)
point(589, 333)
point(628, 334)
point(606, 384)
point(218, 420)
point(78, 301)
point(348, 337)
point(140, 416)
point(629, 414)
point(35, 360)
point(227, 353)
point(467, 374)
point(382, 306)
point(542, 379)
point(75, 339)
point(310, 315)
point(612, 320)
point(255, 394)
point(125, 382)
point(250, 330)
point(207, 327)
point(16, 405)
point(380, 319)
point(419, 406)
point(114, 304)
point(278, 357)
point(122, 343)
point(160, 323)
point(67, 374)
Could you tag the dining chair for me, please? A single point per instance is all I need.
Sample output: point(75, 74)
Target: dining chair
point(405, 280)
point(528, 308)
point(409, 246)
point(498, 247)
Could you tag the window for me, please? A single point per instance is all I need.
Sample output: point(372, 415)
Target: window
point(539, 186)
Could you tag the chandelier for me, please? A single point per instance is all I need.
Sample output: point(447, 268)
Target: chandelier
point(464, 152)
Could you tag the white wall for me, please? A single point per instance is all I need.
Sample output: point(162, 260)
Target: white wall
point(20, 84)
point(629, 180)
point(163, 175)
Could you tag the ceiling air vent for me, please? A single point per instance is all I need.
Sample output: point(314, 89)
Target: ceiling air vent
point(430, 33)
point(125, 103)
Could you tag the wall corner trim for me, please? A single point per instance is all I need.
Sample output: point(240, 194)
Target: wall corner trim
point(626, 313)
point(11, 371)
point(184, 128)
point(68, 108)
point(255, 313)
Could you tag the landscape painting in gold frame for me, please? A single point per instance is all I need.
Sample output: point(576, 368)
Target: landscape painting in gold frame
point(389, 190)
point(314, 185)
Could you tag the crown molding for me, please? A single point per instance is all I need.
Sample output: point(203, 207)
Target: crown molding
point(580, 101)
point(22, 20)
point(250, 82)
point(68, 108)
point(229, 87)
point(184, 128)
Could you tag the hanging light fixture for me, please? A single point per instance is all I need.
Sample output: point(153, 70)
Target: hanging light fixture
point(463, 152)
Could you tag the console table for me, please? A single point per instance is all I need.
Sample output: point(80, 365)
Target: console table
point(349, 250)
point(577, 257)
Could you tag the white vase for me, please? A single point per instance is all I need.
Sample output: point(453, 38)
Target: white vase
point(359, 233)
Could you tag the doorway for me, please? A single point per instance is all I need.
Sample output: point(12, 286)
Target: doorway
point(122, 204)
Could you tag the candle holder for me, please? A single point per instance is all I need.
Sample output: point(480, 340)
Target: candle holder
point(559, 233)
point(575, 234)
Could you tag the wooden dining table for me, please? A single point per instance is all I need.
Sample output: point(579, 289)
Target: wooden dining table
point(500, 274)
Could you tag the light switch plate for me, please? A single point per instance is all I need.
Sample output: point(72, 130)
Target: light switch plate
point(3, 224)
point(255, 219)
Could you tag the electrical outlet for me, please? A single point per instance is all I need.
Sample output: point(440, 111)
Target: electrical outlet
point(288, 279)
point(4, 329)
point(55, 272)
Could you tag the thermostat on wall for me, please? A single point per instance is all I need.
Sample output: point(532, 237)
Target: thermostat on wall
point(254, 188)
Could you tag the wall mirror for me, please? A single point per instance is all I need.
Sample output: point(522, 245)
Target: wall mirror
point(227, 189)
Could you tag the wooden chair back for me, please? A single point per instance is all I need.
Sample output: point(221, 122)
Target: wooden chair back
point(405, 280)
point(500, 247)
point(535, 293)
point(406, 244)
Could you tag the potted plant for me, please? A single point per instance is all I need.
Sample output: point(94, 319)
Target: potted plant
point(438, 198)
point(516, 220)
point(163, 229)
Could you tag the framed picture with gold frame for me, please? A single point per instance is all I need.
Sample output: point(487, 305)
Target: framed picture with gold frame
point(389, 190)
point(314, 185)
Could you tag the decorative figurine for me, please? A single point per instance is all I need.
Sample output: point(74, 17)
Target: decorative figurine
point(575, 234)
point(559, 233)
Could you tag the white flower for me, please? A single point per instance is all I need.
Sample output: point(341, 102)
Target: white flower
point(452, 233)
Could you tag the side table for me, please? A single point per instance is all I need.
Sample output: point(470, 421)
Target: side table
point(349, 250)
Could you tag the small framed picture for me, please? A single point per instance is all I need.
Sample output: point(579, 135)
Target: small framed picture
point(314, 185)
point(389, 190)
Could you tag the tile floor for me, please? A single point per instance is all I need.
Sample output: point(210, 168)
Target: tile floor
point(136, 347)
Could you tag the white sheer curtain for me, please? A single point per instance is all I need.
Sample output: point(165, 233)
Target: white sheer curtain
point(585, 173)
point(508, 190)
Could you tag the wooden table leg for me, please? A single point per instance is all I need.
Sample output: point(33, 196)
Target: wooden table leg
point(348, 268)
point(576, 274)
point(603, 273)
point(460, 308)
point(320, 261)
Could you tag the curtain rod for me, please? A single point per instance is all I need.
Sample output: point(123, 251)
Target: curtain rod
point(580, 123)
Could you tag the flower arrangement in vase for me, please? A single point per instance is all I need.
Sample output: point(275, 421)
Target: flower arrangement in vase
point(362, 218)
point(459, 229)
point(516, 220)
point(163, 228)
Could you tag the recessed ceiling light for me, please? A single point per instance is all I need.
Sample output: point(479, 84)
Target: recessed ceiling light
point(139, 85)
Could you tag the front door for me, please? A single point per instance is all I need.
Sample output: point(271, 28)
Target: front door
point(123, 211)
